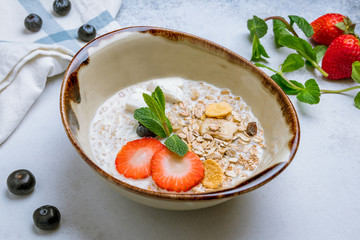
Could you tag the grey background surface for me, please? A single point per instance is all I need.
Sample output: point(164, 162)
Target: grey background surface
point(316, 197)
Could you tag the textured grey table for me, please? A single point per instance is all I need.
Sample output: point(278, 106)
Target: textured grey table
point(316, 197)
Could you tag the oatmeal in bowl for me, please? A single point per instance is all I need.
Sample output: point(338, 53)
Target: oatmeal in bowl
point(174, 121)
point(216, 125)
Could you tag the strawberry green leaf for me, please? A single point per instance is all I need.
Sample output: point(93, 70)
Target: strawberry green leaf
point(357, 100)
point(341, 25)
point(355, 73)
point(279, 29)
point(302, 24)
point(147, 118)
point(346, 25)
point(288, 87)
point(176, 145)
point(300, 45)
point(293, 62)
point(311, 93)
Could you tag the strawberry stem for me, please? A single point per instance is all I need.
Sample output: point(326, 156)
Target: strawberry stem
point(339, 91)
point(289, 27)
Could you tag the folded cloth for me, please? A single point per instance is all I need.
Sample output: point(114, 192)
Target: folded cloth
point(27, 59)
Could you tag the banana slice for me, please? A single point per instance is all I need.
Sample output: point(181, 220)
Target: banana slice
point(218, 110)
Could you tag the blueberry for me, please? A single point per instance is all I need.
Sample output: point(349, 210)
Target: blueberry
point(33, 22)
point(21, 182)
point(86, 32)
point(47, 217)
point(143, 131)
point(62, 7)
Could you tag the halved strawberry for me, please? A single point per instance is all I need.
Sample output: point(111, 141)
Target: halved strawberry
point(174, 173)
point(133, 160)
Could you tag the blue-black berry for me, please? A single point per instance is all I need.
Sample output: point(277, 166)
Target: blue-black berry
point(62, 7)
point(47, 217)
point(143, 131)
point(86, 32)
point(33, 22)
point(21, 182)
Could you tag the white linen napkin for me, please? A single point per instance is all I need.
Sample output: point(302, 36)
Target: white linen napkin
point(27, 59)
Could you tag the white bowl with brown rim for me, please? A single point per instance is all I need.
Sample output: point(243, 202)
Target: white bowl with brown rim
point(128, 56)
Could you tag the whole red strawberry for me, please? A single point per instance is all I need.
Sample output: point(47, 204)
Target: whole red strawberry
point(330, 26)
point(340, 55)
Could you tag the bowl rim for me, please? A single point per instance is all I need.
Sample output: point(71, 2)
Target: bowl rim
point(250, 184)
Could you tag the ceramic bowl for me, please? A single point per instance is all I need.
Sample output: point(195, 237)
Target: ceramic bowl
point(127, 56)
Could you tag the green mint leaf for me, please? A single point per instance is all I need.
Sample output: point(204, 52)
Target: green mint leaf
point(280, 30)
point(355, 73)
point(300, 45)
point(147, 118)
point(287, 87)
point(311, 93)
point(292, 62)
point(176, 145)
point(357, 100)
point(302, 24)
point(159, 97)
point(257, 26)
point(320, 52)
point(297, 84)
point(154, 106)
point(258, 50)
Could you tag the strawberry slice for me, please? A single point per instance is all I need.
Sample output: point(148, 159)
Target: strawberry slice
point(133, 160)
point(174, 173)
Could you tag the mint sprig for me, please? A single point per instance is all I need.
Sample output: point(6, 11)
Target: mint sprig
point(147, 118)
point(308, 93)
point(154, 118)
point(258, 28)
point(303, 48)
point(286, 36)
